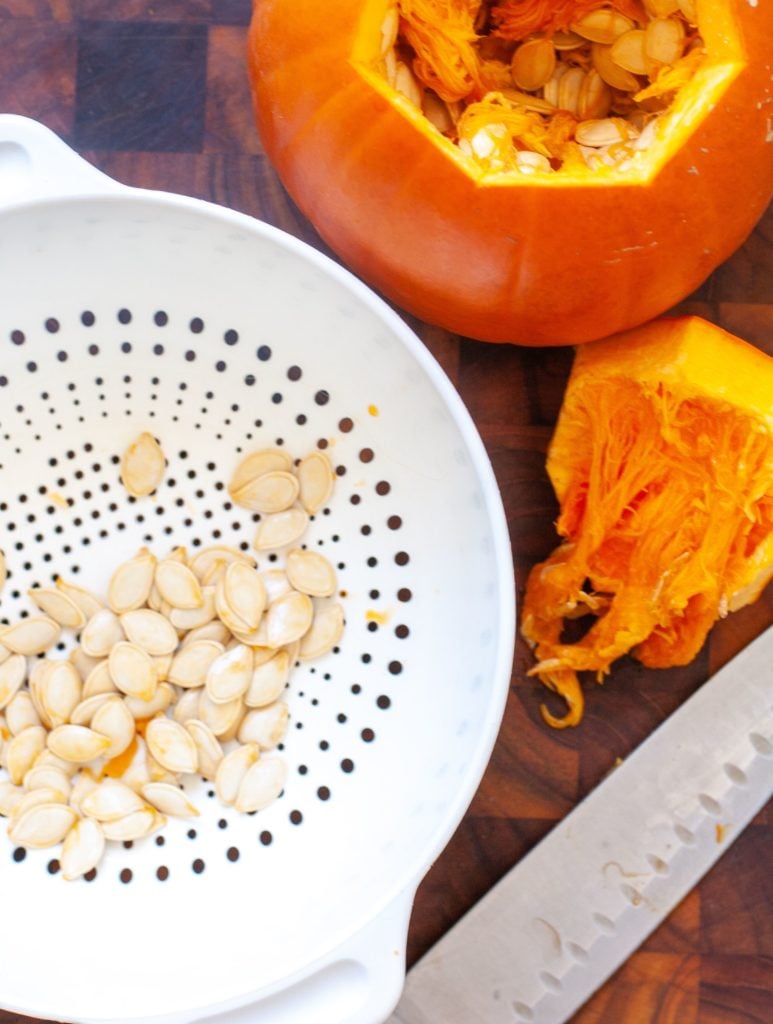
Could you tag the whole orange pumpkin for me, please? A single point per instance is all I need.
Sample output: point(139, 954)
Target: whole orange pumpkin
point(535, 260)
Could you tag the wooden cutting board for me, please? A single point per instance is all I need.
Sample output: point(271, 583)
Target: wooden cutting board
point(154, 92)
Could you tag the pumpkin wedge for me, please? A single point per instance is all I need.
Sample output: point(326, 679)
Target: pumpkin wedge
point(540, 173)
point(662, 463)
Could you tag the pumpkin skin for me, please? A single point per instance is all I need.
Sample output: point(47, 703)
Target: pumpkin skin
point(559, 260)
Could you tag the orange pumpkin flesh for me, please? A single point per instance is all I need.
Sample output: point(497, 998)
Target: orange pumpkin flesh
point(541, 260)
point(662, 462)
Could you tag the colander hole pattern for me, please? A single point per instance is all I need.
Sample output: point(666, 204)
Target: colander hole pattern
point(192, 508)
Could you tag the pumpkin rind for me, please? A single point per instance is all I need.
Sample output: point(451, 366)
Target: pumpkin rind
point(535, 262)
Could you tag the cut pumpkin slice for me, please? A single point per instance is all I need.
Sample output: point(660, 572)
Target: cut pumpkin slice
point(662, 462)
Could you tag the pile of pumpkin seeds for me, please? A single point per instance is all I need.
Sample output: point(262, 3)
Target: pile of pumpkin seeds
point(586, 95)
point(180, 671)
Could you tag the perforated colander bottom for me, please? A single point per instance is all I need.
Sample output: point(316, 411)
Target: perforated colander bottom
point(73, 518)
point(131, 313)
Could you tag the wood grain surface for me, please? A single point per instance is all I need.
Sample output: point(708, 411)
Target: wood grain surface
point(155, 93)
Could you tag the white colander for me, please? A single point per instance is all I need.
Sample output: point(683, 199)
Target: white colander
point(122, 311)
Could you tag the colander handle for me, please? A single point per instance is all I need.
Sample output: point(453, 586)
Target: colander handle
point(36, 164)
point(360, 982)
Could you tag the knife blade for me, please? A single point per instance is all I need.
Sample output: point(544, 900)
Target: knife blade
point(538, 945)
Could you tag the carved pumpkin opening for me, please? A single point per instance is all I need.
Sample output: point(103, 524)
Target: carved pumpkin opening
point(578, 90)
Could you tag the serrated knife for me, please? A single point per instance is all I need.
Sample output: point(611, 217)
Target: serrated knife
point(538, 945)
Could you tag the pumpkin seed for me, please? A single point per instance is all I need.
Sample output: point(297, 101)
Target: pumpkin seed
point(169, 799)
point(101, 633)
point(99, 680)
point(404, 81)
point(13, 673)
point(602, 25)
point(83, 662)
point(114, 720)
point(272, 492)
point(232, 770)
point(77, 743)
point(257, 464)
point(84, 783)
point(130, 584)
point(628, 52)
point(88, 603)
point(278, 529)
point(170, 744)
point(42, 826)
point(50, 778)
point(185, 619)
point(255, 638)
point(389, 28)
point(265, 726)
point(261, 785)
point(288, 618)
point(208, 558)
point(311, 573)
point(143, 466)
point(276, 583)
point(20, 713)
point(229, 675)
point(31, 636)
point(47, 759)
point(550, 89)
point(10, 797)
point(133, 766)
point(533, 63)
point(141, 710)
point(598, 133)
point(82, 850)
point(531, 163)
point(41, 795)
point(192, 662)
point(163, 663)
point(209, 750)
point(437, 113)
point(613, 74)
point(315, 481)
point(187, 707)
point(595, 98)
point(36, 675)
point(529, 102)
point(567, 40)
point(86, 709)
point(244, 594)
point(215, 630)
point(268, 681)
point(58, 606)
point(151, 631)
point(20, 752)
point(132, 669)
point(59, 691)
point(390, 66)
point(325, 632)
point(178, 585)
point(569, 88)
point(222, 719)
point(664, 40)
point(110, 800)
point(135, 825)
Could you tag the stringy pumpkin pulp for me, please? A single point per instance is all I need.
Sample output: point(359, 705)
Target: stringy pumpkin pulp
point(662, 461)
